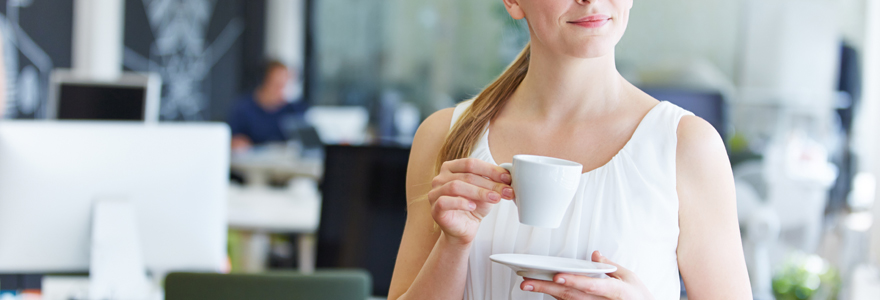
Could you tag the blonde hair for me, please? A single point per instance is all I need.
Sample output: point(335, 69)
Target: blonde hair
point(486, 106)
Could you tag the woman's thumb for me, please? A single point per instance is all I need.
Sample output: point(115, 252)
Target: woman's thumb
point(621, 273)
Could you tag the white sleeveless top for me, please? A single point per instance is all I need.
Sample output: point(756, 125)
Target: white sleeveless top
point(627, 209)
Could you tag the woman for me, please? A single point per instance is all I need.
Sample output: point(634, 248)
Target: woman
point(657, 198)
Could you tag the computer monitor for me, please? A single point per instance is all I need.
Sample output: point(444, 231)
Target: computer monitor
point(52, 172)
point(363, 210)
point(130, 97)
point(706, 104)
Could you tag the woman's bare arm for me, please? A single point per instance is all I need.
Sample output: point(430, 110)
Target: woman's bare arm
point(710, 255)
point(428, 265)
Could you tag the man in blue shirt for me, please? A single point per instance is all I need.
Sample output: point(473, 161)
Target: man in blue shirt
point(257, 118)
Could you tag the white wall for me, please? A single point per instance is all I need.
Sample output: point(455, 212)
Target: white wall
point(866, 127)
point(670, 31)
point(667, 32)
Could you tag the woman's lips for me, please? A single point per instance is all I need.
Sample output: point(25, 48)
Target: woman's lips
point(594, 21)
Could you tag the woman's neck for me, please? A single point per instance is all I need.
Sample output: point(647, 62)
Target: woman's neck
point(568, 86)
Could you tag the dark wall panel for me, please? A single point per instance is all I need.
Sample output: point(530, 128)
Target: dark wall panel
point(195, 45)
point(37, 37)
point(208, 52)
point(254, 38)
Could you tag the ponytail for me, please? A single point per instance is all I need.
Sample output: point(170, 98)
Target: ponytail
point(486, 106)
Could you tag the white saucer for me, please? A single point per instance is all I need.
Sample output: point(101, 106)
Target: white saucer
point(545, 267)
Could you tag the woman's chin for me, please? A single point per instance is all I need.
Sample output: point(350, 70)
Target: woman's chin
point(591, 47)
point(591, 52)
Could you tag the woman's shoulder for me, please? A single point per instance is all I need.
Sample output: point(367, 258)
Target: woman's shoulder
point(700, 149)
point(435, 127)
point(425, 148)
point(431, 135)
point(697, 137)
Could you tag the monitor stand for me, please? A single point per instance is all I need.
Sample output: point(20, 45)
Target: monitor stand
point(117, 268)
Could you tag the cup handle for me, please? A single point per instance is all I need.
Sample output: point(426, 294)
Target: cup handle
point(508, 167)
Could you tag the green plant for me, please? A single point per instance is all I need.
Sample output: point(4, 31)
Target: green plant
point(805, 277)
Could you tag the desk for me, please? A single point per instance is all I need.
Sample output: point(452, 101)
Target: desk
point(259, 210)
point(262, 163)
point(74, 287)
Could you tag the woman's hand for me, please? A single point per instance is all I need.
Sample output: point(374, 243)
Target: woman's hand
point(623, 285)
point(463, 193)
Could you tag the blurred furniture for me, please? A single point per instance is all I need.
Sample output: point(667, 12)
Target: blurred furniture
point(73, 286)
point(174, 175)
point(323, 284)
point(129, 97)
point(339, 124)
point(294, 209)
point(865, 283)
point(781, 207)
point(760, 225)
point(260, 164)
point(259, 211)
point(364, 210)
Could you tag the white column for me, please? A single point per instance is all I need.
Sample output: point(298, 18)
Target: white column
point(97, 38)
point(285, 31)
point(285, 39)
point(3, 91)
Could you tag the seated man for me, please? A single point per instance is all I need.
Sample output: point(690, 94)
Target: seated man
point(257, 118)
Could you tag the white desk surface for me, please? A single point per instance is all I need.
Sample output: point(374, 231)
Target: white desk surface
point(274, 210)
point(258, 207)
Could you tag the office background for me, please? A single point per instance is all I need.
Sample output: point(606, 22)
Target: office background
point(759, 71)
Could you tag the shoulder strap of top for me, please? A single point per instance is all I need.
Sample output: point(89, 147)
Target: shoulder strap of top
point(653, 146)
point(665, 117)
point(673, 113)
point(660, 125)
point(459, 110)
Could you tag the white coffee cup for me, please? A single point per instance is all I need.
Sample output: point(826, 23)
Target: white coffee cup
point(544, 187)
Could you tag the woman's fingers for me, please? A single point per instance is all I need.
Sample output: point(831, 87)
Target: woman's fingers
point(447, 203)
point(621, 273)
point(453, 214)
point(504, 190)
point(463, 189)
point(478, 167)
point(569, 286)
point(610, 288)
point(556, 290)
point(550, 288)
point(576, 287)
point(473, 179)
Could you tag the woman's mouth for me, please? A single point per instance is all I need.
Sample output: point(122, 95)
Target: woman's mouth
point(593, 21)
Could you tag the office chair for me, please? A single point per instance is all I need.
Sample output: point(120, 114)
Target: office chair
point(363, 211)
point(323, 284)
